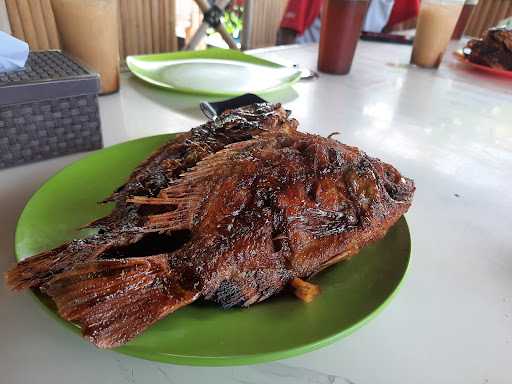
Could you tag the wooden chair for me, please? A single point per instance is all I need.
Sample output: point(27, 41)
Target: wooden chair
point(261, 22)
point(486, 14)
point(147, 26)
point(34, 22)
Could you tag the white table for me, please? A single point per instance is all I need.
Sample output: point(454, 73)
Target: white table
point(450, 130)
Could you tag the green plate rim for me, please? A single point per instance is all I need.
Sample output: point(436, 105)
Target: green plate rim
point(224, 360)
point(210, 53)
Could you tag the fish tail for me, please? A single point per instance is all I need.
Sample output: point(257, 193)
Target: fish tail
point(115, 300)
point(36, 270)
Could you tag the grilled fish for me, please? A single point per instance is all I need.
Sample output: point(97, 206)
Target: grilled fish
point(122, 227)
point(494, 49)
point(258, 214)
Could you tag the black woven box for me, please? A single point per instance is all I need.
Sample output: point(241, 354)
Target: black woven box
point(48, 109)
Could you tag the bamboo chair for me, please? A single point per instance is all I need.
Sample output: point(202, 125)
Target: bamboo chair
point(34, 22)
point(146, 26)
point(261, 22)
point(486, 14)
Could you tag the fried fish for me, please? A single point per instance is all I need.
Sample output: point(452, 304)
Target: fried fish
point(122, 227)
point(237, 227)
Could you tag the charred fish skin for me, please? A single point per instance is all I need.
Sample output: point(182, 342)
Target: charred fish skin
point(176, 157)
point(316, 198)
point(306, 203)
point(165, 165)
point(235, 225)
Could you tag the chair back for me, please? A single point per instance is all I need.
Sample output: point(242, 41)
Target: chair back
point(486, 14)
point(34, 22)
point(261, 22)
point(147, 26)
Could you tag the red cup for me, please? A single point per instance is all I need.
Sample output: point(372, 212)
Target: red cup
point(342, 21)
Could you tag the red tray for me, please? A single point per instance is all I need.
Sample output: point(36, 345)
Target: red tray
point(493, 71)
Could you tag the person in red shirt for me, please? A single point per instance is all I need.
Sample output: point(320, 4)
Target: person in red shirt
point(298, 17)
point(301, 19)
point(403, 10)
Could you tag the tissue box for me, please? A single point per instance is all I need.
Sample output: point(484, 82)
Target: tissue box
point(48, 109)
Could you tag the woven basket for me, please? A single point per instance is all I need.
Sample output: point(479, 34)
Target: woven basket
point(49, 109)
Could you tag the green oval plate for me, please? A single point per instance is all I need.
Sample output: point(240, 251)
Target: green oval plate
point(213, 71)
point(352, 292)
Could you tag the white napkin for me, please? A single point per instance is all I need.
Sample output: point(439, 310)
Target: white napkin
point(13, 53)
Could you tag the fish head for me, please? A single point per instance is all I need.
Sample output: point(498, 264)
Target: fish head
point(347, 199)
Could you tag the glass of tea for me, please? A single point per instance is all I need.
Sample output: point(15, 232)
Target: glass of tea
point(342, 21)
point(436, 22)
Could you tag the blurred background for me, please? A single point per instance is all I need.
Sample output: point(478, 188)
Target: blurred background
point(151, 26)
point(102, 33)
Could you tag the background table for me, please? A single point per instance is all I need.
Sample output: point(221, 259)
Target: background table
point(450, 130)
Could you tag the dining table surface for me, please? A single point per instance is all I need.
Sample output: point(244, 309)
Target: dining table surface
point(449, 129)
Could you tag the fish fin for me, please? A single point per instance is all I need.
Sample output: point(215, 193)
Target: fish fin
point(304, 290)
point(115, 300)
point(216, 165)
point(163, 153)
point(347, 254)
point(188, 192)
point(36, 270)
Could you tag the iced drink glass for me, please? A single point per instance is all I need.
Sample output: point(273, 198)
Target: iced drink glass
point(436, 22)
point(342, 21)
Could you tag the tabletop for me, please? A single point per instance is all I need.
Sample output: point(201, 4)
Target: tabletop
point(449, 129)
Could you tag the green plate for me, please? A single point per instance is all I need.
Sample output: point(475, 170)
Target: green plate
point(213, 71)
point(352, 292)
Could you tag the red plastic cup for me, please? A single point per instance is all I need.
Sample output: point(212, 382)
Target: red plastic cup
point(342, 21)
